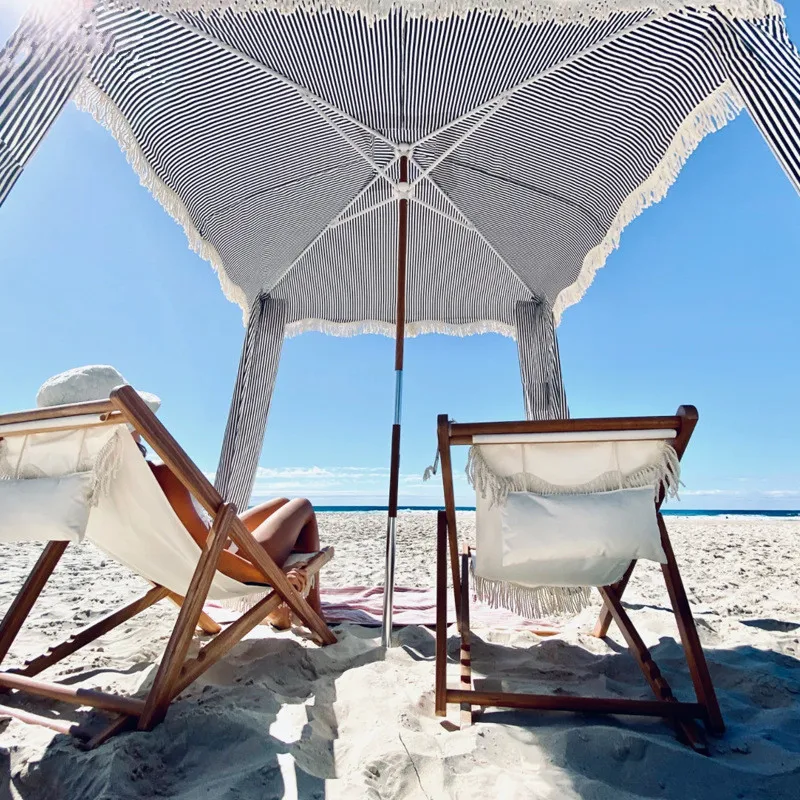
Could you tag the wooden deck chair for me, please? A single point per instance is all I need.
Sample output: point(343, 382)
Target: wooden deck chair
point(611, 454)
point(49, 457)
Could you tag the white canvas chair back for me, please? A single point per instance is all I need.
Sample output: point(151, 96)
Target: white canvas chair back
point(130, 518)
point(573, 463)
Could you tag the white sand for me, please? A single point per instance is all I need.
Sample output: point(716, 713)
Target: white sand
point(282, 718)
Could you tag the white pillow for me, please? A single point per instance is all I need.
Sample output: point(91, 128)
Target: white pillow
point(45, 509)
point(619, 525)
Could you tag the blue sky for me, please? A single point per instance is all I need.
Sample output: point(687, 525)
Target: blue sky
point(699, 304)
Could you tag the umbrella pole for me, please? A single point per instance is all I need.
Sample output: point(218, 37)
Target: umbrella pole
point(394, 465)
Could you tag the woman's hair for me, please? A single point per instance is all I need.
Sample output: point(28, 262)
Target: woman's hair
point(142, 449)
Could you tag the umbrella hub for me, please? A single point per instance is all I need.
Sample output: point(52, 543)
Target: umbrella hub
point(403, 190)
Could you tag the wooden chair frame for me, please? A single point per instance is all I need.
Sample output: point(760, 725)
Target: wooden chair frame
point(176, 671)
point(681, 714)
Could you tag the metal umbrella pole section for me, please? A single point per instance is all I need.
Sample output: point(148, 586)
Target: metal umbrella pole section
point(394, 465)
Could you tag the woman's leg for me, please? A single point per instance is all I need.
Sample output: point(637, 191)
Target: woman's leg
point(292, 527)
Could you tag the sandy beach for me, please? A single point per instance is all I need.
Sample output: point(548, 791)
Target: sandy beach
point(280, 717)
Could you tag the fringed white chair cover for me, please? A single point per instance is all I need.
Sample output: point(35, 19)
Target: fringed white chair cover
point(556, 465)
point(129, 517)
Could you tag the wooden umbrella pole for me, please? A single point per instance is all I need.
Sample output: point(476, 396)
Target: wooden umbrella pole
point(394, 466)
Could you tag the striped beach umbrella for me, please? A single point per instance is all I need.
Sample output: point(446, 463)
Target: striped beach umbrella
point(400, 166)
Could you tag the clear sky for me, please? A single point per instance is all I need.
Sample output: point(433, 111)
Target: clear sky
point(698, 305)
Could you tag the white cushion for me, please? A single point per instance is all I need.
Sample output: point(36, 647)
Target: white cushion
point(45, 509)
point(547, 529)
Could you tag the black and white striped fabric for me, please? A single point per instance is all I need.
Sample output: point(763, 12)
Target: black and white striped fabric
point(536, 134)
point(40, 67)
point(247, 420)
point(539, 361)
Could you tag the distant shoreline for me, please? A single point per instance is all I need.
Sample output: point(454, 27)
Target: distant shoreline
point(667, 512)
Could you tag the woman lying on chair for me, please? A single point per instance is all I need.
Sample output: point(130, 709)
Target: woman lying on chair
point(282, 527)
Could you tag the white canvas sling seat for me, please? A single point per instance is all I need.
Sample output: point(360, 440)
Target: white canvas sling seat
point(562, 504)
point(557, 513)
point(128, 516)
point(69, 473)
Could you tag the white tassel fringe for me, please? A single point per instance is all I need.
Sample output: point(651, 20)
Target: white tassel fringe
point(709, 116)
point(662, 475)
point(521, 11)
point(532, 602)
point(96, 102)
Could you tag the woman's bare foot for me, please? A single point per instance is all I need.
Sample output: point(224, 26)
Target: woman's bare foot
point(281, 617)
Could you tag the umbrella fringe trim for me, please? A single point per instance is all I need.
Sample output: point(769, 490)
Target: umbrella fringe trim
point(664, 475)
point(711, 115)
point(520, 11)
point(90, 98)
point(389, 329)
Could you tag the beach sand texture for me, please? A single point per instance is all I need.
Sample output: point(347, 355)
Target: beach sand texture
point(280, 717)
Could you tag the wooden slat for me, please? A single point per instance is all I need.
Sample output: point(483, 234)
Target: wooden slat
point(58, 412)
point(695, 657)
point(441, 614)
point(161, 692)
point(205, 623)
point(168, 450)
point(657, 682)
point(219, 646)
point(443, 436)
point(90, 633)
point(462, 432)
point(18, 612)
point(275, 577)
point(465, 657)
point(605, 619)
point(69, 694)
point(58, 725)
point(99, 422)
point(593, 705)
point(117, 725)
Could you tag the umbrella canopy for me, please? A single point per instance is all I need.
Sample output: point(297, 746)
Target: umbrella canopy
point(533, 137)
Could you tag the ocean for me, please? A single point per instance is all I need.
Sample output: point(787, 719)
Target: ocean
point(671, 512)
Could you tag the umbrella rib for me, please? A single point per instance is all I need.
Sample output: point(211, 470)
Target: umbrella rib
point(339, 220)
point(301, 90)
point(382, 172)
point(477, 232)
point(506, 95)
point(544, 192)
point(498, 104)
point(331, 224)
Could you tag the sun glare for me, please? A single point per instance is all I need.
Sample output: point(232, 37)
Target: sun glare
point(45, 7)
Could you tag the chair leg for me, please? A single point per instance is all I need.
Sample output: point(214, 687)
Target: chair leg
point(657, 682)
point(695, 657)
point(441, 614)
point(466, 657)
point(91, 633)
point(161, 692)
point(23, 603)
point(205, 623)
point(606, 617)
